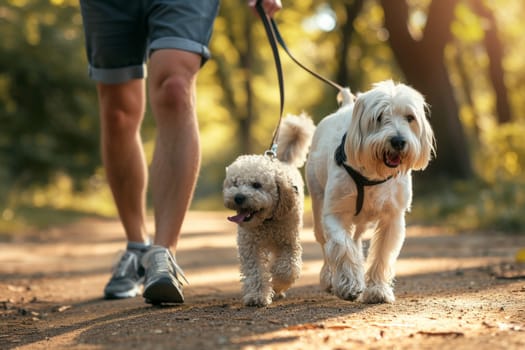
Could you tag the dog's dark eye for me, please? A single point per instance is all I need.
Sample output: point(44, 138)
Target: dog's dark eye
point(256, 185)
point(380, 118)
point(410, 118)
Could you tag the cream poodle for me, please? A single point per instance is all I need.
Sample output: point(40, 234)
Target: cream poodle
point(267, 193)
point(358, 173)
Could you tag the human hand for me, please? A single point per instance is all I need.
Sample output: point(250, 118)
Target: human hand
point(269, 6)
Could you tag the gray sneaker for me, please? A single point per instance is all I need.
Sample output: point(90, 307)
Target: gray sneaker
point(127, 278)
point(162, 283)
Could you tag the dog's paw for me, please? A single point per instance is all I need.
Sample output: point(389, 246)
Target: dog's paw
point(285, 271)
point(348, 291)
point(280, 295)
point(347, 284)
point(257, 300)
point(280, 285)
point(378, 294)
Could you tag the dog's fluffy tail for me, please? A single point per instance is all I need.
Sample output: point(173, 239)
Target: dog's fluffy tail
point(295, 137)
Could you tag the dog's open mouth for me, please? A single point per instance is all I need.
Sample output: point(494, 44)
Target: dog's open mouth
point(392, 160)
point(242, 216)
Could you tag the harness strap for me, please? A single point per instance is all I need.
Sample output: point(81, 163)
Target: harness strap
point(360, 180)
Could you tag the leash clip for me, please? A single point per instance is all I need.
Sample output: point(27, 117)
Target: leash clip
point(272, 153)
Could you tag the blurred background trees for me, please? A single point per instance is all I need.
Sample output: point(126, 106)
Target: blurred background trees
point(465, 56)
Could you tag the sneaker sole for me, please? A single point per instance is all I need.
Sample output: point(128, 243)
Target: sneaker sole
point(162, 291)
point(123, 295)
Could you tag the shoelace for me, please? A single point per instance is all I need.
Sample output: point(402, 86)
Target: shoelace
point(170, 265)
point(121, 267)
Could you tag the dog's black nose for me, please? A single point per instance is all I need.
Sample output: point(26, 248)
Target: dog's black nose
point(239, 198)
point(398, 143)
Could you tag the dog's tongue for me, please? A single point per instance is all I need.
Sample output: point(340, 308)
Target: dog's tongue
point(238, 218)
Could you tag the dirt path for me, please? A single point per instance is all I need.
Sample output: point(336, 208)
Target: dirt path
point(448, 293)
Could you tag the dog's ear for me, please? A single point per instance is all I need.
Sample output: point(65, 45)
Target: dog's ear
point(426, 140)
point(287, 195)
point(354, 138)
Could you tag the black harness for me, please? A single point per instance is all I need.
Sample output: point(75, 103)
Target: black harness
point(360, 180)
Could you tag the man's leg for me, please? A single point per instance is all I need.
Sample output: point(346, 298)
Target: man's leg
point(121, 113)
point(176, 160)
point(175, 166)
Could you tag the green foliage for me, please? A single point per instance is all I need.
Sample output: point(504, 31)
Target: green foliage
point(493, 201)
point(47, 105)
point(501, 157)
point(471, 205)
point(468, 27)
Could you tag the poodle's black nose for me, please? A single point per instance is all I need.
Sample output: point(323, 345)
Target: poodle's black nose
point(398, 142)
point(239, 198)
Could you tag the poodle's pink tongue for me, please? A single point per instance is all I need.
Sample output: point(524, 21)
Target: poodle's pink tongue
point(238, 218)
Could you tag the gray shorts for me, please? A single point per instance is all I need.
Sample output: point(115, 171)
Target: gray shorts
point(121, 34)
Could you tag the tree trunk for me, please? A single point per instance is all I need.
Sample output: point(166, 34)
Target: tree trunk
point(495, 53)
point(423, 65)
point(352, 10)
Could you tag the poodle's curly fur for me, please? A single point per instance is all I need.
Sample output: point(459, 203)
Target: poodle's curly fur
point(268, 193)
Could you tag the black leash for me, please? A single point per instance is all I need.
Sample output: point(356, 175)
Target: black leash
point(285, 48)
point(360, 180)
point(274, 37)
point(272, 151)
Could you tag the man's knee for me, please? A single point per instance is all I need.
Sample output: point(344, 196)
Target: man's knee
point(122, 107)
point(174, 91)
point(172, 80)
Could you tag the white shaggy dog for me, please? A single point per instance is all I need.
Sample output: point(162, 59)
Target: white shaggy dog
point(358, 173)
point(268, 193)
